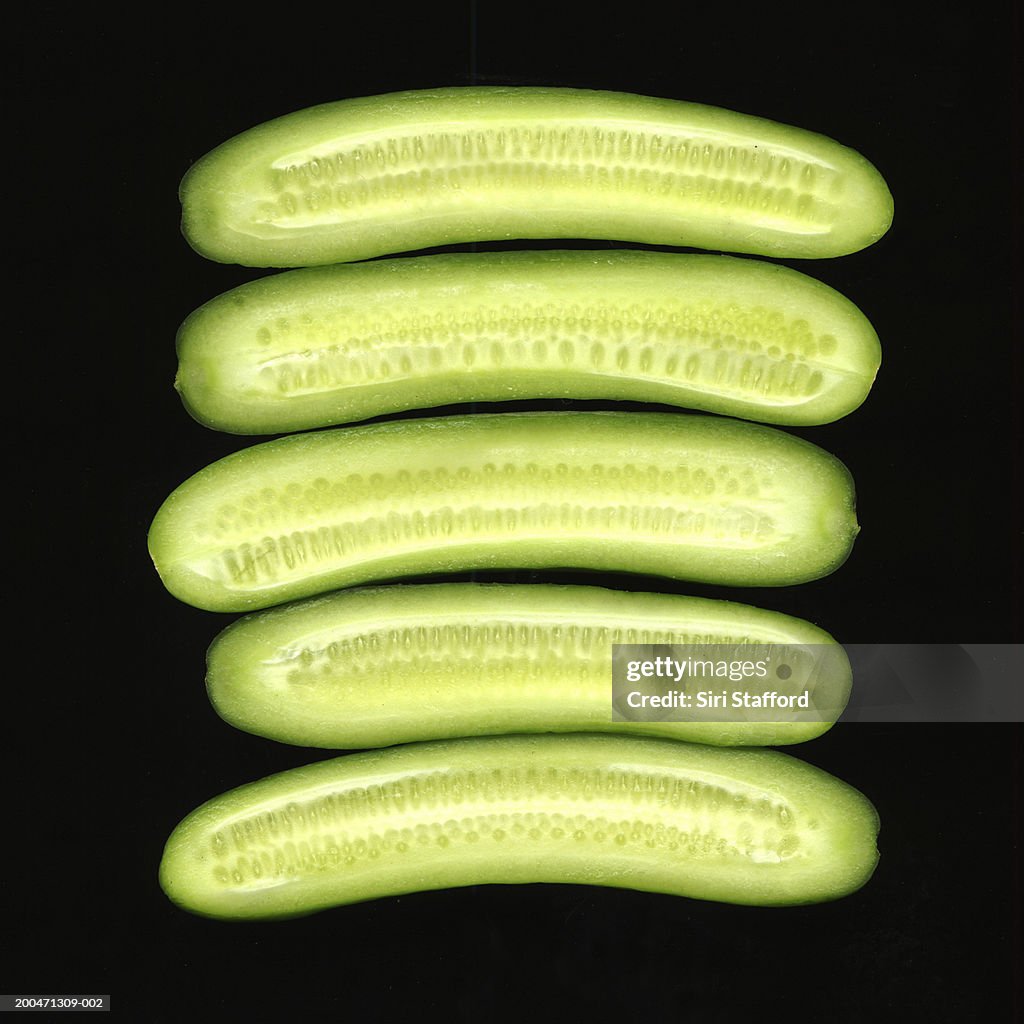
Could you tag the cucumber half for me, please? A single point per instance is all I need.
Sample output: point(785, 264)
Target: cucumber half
point(386, 174)
point(316, 347)
point(380, 665)
point(689, 497)
point(739, 826)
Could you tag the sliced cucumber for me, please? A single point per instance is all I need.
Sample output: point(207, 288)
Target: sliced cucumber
point(690, 497)
point(376, 666)
point(387, 174)
point(311, 348)
point(739, 826)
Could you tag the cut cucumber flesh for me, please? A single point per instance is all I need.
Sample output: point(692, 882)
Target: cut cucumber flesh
point(739, 826)
point(689, 497)
point(376, 666)
point(387, 174)
point(311, 348)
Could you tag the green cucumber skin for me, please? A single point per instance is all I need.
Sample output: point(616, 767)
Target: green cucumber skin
point(688, 497)
point(371, 176)
point(372, 667)
point(329, 345)
point(740, 825)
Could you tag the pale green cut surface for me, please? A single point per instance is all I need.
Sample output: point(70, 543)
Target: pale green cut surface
point(327, 345)
point(739, 826)
point(365, 177)
point(688, 497)
point(376, 666)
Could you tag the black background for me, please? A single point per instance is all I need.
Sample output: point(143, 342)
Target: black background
point(120, 741)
